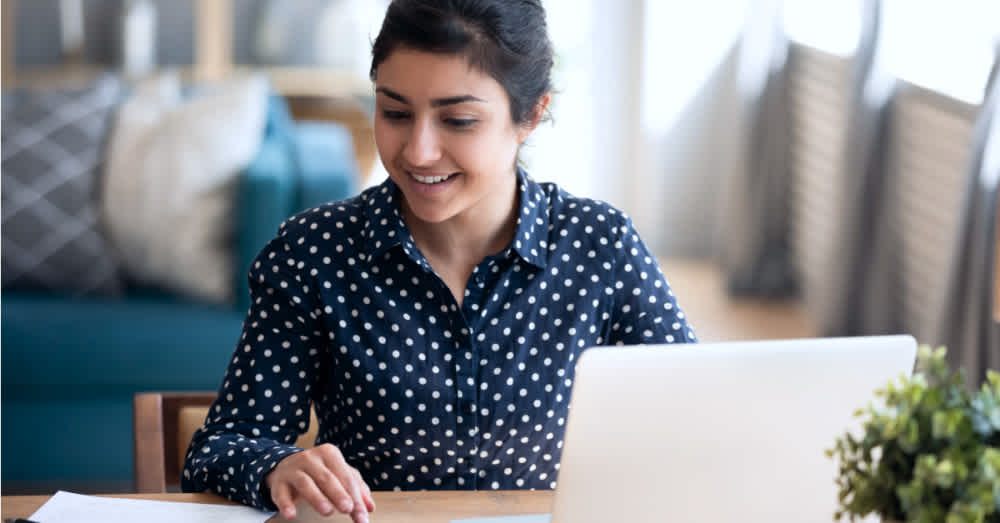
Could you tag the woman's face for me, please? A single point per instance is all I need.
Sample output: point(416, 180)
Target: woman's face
point(444, 133)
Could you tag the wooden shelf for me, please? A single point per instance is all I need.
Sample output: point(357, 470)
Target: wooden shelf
point(317, 82)
point(213, 61)
point(288, 81)
point(321, 93)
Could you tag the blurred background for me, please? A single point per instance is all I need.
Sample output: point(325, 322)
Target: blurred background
point(801, 168)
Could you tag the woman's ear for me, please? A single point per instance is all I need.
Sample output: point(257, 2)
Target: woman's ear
point(537, 114)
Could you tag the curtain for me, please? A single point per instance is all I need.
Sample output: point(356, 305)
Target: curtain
point(755, 253)
point(968, 325)
point(865, 283)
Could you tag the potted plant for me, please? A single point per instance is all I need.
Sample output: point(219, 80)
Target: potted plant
point(928, 450)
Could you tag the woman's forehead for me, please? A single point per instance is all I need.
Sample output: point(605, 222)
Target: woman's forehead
point(421, 76)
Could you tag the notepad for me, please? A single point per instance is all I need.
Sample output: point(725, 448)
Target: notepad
point(67, 506)
point(533, 518)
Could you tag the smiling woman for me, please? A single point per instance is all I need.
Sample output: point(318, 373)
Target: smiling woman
point(434, 320)
point(446, 138)
point(441, 126)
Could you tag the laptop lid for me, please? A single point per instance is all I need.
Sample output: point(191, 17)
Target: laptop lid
point(716, 432)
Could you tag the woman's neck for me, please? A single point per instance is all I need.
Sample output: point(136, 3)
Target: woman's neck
point(468, 237)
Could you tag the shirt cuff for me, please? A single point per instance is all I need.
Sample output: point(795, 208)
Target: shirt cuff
point(256, 488)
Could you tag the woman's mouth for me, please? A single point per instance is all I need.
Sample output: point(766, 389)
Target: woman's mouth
point(432, 185)
point(430, 180)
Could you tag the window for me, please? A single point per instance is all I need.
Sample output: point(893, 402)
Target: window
point(563, 151)
point(834, 27)
point(685, 42)
point(944, 46)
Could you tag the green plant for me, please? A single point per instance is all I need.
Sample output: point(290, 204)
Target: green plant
point(928, 451)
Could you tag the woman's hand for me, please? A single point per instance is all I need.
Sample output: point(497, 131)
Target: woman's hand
point(320, 476)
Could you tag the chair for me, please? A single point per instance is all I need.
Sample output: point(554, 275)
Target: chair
point(163, 424)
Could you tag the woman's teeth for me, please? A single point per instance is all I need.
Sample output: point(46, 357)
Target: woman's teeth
point(431, 179)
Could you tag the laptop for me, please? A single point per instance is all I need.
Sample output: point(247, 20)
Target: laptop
point(717, 433)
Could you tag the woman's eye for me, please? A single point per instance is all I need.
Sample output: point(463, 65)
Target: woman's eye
point(460, 123)
point(395, 115)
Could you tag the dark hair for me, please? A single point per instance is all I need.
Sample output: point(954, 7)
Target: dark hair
point(505, 39)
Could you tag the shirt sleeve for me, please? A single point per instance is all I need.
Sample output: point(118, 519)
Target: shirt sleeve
point(644, 309)
point(264, 401)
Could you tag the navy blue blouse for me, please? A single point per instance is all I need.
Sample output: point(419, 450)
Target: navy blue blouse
point(416, 391)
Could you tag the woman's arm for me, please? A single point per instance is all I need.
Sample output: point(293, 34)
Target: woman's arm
point(263, 403)
point(644, 309)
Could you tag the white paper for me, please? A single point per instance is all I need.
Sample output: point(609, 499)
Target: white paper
point(66, 506)
point(533, 518)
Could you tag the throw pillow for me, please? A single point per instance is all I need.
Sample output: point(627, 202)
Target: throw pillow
point(171, 180)
point(52, 142)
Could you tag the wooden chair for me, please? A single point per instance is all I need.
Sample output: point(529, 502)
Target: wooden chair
point(163, 424)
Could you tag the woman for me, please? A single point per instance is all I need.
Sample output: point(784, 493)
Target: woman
point(433, 321)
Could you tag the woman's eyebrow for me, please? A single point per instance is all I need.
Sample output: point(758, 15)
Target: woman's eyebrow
point(452, 100)
point(438, 102)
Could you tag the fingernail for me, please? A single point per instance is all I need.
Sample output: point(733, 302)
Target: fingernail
point(325, 508)
point(289, 513)
point(362, 518)
point(345, 505)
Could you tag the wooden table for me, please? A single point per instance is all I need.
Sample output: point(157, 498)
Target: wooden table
point(391, 507)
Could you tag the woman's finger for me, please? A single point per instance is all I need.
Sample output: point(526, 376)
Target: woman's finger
point(348, 477)
point(281, 495)
point(335, 463)
point(330, 485)
point(366, 492)
point(360, 514)
point(305, 487)
point(352, 483)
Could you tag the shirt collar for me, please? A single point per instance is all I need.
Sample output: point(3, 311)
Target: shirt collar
point(384, 227)
point(532, 222)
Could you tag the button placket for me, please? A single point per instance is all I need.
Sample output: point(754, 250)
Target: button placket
point(466, 371)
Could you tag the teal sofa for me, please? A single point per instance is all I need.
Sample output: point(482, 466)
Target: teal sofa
point(71, 365)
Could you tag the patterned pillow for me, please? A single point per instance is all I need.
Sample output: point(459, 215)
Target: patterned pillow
point(52, 147)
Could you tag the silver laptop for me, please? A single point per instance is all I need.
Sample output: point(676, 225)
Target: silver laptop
point(720, 432)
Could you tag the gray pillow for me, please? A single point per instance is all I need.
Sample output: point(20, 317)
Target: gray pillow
point(52, 149)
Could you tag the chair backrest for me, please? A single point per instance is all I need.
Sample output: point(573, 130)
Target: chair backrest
point(163, 424)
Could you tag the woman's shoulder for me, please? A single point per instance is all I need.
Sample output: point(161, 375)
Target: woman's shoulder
point(567, 211)
point(341, 218)
point(335, 230)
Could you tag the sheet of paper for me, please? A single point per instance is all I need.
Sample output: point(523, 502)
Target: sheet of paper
point(66, 506)
point(533, 518)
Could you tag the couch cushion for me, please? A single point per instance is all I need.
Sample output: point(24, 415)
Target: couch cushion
point(145, 342)
point(299, 165)
point(52, 151)
point(324, 154)
point(60, 441)
point(170, 188)
point(267, 192)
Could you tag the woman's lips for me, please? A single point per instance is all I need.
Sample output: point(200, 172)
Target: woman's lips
point(431, 184)
point(431, 178)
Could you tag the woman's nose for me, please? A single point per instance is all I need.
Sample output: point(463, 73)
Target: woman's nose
point(423, 146)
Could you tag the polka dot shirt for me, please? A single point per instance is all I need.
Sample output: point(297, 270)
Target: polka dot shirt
point(416, 391)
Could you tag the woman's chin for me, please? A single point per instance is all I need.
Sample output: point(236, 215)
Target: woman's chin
point(429, 213)
point(430, 203)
